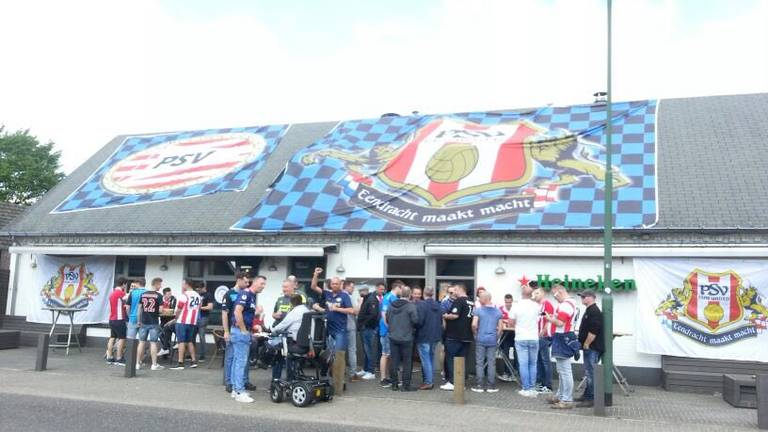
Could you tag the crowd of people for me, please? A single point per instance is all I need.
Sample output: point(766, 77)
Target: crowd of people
point(152, 317)
point(393, 326)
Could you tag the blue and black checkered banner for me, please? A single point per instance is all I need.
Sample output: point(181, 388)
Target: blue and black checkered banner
point(539, 169)
point(146, 169)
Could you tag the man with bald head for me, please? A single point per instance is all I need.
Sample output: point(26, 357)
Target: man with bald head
point(338, 305)
point(487, 327)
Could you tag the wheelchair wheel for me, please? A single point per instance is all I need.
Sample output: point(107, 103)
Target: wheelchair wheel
point(301, 395)
point(276, 393)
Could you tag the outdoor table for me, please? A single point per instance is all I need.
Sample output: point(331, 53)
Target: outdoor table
point(55, 314)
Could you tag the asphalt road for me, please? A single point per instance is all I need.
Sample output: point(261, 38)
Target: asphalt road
point(34, 413)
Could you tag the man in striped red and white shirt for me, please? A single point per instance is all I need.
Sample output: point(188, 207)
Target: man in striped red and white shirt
point(187, 309)
point(544, 362)
point(562, 321)
point(117, 326)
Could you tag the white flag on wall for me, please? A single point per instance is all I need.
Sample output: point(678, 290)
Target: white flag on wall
point(73, 282)
point(704, 308)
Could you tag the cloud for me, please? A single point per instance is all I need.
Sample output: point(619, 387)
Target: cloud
point(81, 72)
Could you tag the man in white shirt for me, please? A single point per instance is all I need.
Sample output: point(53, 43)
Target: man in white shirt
point(525, 316)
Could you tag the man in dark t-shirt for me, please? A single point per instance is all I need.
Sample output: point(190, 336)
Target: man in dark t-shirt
point(592, 343)
point(458, 331)
point(206, 306)
point(148, 321)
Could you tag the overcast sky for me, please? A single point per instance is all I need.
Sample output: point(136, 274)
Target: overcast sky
point(80, 72)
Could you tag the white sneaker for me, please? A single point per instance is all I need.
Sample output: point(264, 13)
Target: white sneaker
point(138, 366)
point(368, 376)
point(447, 386)
point(233, 394)
point(157, 367)
point(163, 352)
point(360, 373)
point(175, 346)
point(244, 398)
point(522, 392)
point(544, 390)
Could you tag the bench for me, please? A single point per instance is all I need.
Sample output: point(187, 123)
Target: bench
point(740, 390)
point(9, 339)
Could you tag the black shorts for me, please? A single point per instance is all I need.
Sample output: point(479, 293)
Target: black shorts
point(117, 329)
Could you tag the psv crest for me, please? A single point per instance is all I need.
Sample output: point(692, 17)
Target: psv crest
point(72, 286)
point(714, 301)
point(452, 171)
point(183, 163)
point(714, 308)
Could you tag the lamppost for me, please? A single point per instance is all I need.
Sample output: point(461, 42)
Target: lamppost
point(608, 237)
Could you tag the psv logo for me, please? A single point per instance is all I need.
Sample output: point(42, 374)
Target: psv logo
point(183, 163)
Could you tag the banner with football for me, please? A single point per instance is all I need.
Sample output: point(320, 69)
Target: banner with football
point(707, 308)
point(180, 165)
point(537, 169)
point(77, 283)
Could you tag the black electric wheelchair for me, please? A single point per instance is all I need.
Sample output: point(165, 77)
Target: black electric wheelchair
point(309, 349)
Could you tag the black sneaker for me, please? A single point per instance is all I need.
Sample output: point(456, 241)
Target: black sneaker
point(120, 362)
point(109, 360)
point(394, 386)
point(385, 383)
point(193, 365)
point(407, 388)
point(179, 366)
point(228, 388)
point(250, 387)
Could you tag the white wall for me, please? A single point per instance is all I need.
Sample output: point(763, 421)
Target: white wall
point(362, 260)
point(624, 303)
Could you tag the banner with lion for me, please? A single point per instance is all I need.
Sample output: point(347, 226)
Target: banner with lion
point(75, 283)
point(705, 308)
point(533, 169)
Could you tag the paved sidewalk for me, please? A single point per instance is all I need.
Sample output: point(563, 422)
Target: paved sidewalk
point(85, 376)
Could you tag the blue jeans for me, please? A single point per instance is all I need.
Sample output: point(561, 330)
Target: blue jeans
point(368, 349)
point(453, 348)
point(565, 379)
point(485, 364)
point(527, 355)
point(337, 341)
point(229, 355)
point(591, 357)
point(544, 369)
point(241, 344)
point(427, 356)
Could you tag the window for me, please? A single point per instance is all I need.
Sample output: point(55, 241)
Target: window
point(450, 271)
point(130, 267)
point(303, 268)
point(411, 271)
point(216, 272)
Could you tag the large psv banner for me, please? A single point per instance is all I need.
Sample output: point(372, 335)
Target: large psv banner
point(706, 308)
point(538, 169)
point(73, 282)
point(156, 168)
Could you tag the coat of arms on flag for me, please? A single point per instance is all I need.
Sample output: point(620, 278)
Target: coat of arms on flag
point(714, 308)
point(493, 170)
point(71, 287)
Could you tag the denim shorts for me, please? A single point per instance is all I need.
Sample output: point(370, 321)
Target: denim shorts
point(385, 349)
point(131, 330)
point(185, 333)
point(149, 332)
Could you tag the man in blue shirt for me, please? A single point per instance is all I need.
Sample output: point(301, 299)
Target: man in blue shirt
point(338, 305)
point(133, 299)
point(227, 321)
point(240, 337)
point(388, 299)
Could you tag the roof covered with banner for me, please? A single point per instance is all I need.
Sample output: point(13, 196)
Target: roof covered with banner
point(678, 163)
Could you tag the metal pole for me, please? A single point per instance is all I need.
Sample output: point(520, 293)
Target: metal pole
point(608, 238)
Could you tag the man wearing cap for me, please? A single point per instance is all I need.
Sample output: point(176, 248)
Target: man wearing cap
point(591, 340)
